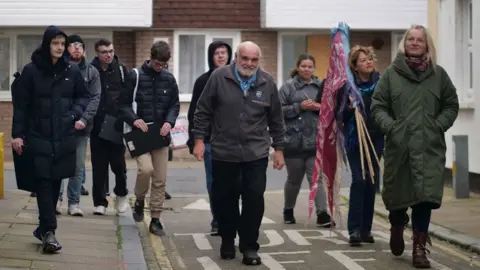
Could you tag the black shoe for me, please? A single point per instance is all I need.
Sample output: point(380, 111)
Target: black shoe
point(355, 239)
point(214, 231)
point(168, 196)
point(37, 234)
point(50, 243)
point(324, 220)
point(367, 238)
point(138, 210)
point(107, 194)
point(250, 257)
point(156, 227)
point(33, 194)
point(84, 192)
point(288, 217)
point(227, 250)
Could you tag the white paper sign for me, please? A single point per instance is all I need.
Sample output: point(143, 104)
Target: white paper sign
point(180, 132)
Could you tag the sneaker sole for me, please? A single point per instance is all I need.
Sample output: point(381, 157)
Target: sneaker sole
point(76, 214)
point(98, 214)
point(248, 261)
point(49, 248)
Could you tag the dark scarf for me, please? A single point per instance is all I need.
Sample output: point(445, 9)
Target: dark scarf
point(418, 64)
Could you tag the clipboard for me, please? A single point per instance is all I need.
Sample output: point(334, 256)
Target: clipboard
point(139, 142)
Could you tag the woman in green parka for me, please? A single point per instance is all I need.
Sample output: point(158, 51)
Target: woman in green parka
point(414, 104)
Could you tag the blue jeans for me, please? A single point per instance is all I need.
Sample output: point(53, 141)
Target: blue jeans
point(362, 192)
point(207, 160)
point(75, 183)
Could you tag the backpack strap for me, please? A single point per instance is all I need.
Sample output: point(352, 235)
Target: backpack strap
point(122, 74)
point(126, 127)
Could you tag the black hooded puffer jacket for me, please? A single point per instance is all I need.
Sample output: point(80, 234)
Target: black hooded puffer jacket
point(48, 99)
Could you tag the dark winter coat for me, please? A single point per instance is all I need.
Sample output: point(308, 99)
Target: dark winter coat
point(47, 101)
point(200, 84)
point(414, 111)
point(156, 97)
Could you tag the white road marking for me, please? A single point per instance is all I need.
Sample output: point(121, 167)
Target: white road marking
point(348, 262)
point(208, 264)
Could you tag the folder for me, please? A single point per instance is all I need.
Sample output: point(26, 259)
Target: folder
point(139, 142)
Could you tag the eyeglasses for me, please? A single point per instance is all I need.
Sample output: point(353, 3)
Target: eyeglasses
point(106, 52)
point(76, 45)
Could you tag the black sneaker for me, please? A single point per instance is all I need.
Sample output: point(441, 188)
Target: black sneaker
point(50, 243)
point(84, 192)
point(367, 238)
point(156, 227)
point(227, 250)
point(288, 217)
point(168, 196)
point(250, 257)
point(324, 220)
point(138, 210)
point(214, 230)
point(355, 239)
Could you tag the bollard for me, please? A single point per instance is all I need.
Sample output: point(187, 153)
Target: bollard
point(460, 170)
point(2, 169)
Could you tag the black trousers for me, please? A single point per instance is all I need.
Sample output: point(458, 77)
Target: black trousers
point(103, 154)
point(47, 191)
point(230, 181)
point(421, 215)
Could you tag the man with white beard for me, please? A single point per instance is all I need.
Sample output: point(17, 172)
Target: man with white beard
point(76, 49)
point(240, 103)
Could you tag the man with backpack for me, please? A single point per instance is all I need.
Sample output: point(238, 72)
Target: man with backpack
point(154, 100)
point(106, 138)
point(76, 49)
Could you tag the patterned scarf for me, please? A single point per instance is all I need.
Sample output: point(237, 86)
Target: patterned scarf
point(366, 89)
point(419, 64)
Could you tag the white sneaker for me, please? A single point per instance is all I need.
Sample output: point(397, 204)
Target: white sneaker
point(99, 210)
point(58, 209)
point(74, 210)
point(121, 204)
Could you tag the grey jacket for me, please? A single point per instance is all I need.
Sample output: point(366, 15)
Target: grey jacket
point(243, 124)
point(94, 86)
point(300, 126)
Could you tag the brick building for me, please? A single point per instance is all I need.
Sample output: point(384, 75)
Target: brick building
point(283, 29)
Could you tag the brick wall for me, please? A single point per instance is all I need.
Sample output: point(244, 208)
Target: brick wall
point(233, 14)
point(125, 47)
point(267, 41)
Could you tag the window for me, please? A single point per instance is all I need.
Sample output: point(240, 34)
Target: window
point(190, 52)
point(4, 63)
point(16, 50)
point(292, 46)
point(396, 38)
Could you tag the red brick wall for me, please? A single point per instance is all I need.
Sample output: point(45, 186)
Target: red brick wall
point(267, 41)
point(143, 42)
point(125, 47)
point(384, 54)
point(234, 14)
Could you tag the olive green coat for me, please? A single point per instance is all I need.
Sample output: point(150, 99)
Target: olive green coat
point(414, 111)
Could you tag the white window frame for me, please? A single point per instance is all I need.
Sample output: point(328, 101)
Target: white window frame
point(280, 35)
point(467, 48)
point(12, 34)
point(235, 35)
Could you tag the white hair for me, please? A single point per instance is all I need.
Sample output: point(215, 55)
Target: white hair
point(248, 44)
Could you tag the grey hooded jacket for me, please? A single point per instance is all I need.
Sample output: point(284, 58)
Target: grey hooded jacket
point(92, 79)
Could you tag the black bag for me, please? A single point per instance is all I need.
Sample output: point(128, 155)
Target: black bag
point(110, 130)
point(25, 170)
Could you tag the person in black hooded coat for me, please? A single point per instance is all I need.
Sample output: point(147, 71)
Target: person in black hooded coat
point(50, 96)
point(219, 54)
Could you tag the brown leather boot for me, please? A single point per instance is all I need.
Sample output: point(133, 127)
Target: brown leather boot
point(419, 253)
point(397, 244)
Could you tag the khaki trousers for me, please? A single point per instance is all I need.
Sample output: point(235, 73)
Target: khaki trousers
point(153, 166)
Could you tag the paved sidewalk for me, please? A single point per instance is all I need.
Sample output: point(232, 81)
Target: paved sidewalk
point(89, 242)
point(456, 221)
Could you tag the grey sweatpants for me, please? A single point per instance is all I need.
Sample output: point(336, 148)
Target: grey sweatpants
point(296, 169)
